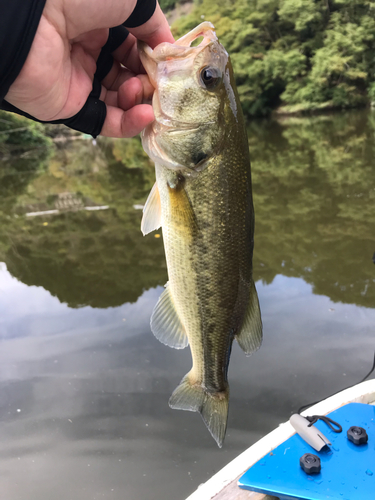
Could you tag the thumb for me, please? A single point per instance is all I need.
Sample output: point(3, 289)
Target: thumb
point(156, 30)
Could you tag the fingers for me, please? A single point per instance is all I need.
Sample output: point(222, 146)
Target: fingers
point(127, 55)
point(110, 63)
point(126, 115)
point(156, 30)
point(117, 76)
point(136, 90)
point(120, 123)
point(122, 95)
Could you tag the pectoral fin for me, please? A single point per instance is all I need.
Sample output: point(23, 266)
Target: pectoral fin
point(250, 336)
point(151, 219)
point(165, 323)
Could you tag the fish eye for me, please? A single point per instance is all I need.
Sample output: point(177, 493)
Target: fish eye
point(210, 77)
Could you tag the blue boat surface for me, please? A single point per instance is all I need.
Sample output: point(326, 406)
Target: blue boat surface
point(347, 469)
point(270, 469)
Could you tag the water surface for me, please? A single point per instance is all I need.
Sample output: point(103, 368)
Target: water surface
point(84, 385)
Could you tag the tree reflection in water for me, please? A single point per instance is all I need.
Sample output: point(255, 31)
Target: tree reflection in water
point(314, 196)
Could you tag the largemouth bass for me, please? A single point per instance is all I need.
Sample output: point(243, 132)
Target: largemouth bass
point(202, 199)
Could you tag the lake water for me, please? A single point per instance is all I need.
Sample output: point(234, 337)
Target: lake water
point(84, 385)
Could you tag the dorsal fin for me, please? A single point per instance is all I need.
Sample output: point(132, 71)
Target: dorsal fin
point(165, 323)
point(151, 219)
point(250, 336)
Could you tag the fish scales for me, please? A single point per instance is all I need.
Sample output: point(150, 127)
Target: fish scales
point(208, 307)
point(203, 200)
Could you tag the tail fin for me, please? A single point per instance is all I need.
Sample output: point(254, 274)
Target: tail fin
point(213, 407)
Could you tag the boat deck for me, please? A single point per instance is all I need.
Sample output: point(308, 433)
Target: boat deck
point(233, 492)
point(223, 486)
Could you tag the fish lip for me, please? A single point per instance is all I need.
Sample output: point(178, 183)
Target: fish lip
point(181, 47)
point(205, 29)
point(147, 60)
point(179, 50)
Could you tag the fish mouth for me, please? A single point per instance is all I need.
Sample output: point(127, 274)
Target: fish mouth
point(178, 50)
point(164, 123)
point(181, 49)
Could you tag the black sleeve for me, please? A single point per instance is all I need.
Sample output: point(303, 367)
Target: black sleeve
point(19, 20)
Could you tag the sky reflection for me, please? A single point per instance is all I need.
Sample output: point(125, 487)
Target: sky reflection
point(84, 392)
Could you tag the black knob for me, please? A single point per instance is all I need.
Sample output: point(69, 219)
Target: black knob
point(310, 463)
point(357, 435)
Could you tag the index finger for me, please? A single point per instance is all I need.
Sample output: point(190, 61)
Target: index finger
point(127, 55)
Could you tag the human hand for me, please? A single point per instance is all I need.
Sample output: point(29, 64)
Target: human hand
point(58, 74)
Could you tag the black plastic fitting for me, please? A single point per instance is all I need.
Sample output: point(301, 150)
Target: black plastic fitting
point(357, 435)
point(310, 463)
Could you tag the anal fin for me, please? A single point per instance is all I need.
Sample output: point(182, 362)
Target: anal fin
point(165, 323)
point(250, 336)
point(151, 219)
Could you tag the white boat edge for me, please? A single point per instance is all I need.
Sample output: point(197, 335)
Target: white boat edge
point(360, 393)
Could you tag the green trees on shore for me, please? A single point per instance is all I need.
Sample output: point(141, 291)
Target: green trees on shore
point(295, 55)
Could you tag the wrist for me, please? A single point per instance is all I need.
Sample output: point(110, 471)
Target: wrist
point(18, 24)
